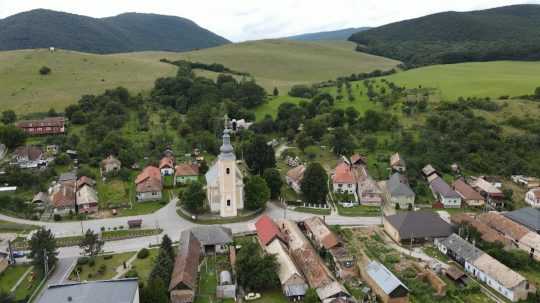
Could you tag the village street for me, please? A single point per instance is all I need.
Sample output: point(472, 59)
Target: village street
point(172, 224)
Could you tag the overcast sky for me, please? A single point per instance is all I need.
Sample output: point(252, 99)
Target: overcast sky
point(240, 20)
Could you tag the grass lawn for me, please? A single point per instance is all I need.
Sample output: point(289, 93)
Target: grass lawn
point(144, 266)
point(207, 282)
point(274, 296)
point(91, 273)
point(141, 208)
point(272, 105)
point(27, 287)
point(9, 227)
point(11, 275)
point(112, 192)
point(359, 211)
point(315, 211)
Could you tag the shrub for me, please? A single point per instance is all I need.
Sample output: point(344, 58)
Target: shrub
point(44, 70)
point(83, 260)
point(91, 262)
point(57, 217)
point(143, 253)
point(132, 273)
point(102, 269)
point(90, 275)
point(103, 228)
point(108, 257)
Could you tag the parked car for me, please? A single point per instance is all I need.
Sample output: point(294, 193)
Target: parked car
point(252, 296)
point(18, 254)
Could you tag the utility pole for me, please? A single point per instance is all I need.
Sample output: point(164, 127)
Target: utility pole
point(45, 262)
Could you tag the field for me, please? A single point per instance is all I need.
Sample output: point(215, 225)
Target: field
point(283, 63)
point(73, 74)
point(486, 79)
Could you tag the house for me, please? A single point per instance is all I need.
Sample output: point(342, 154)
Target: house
point(226, 289)
point(529, 182)
point(224, 179)
point(344, 179)
point(385, 284)
point(87, 197)
point(41, 199)
point(110, 165)
point(428, 170)
point(183, 285)
point(398, 191)
point(487, 233)
point(62, 196)
point(185, 173)
point(533, 197)
point(240, 124)
point(52, 149)
point(293, 284)
point(445, 194)
point(469, 196)
point(527, 216)
point(46, 126)
point(333, 292)
point(268, 231)
point(166, 166)
point(294, 178)
point(494, 196)
point(397, 163)
point(29, 156)
point(345, 262)
point(121, 290)
point(319, 232)
point(213, 239)
point(148, 184)
point(485, 268)
point(358, 160)
point(416, 227)
point(369, 193)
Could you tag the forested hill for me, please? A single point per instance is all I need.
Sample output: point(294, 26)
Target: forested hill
point(123, 33)
point(342, 34)
point(510, 32)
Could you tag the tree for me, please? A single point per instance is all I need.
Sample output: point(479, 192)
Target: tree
point(315, 129)
point(315, 184)
point(8, 117)
point(12, 136)
point(91, 244)
point(167, 246)
point(342, 142)
point(43, 245)
point(44, 70)
point(275, 92)
point(256, 271)
point(311, 296)
point(537, 93)
point(256, 193)
point(274, 182)
point(6, 297)
point(193, 197)
point(259, 155)
point(154, 292)
point(163, 267)
point(250, 94)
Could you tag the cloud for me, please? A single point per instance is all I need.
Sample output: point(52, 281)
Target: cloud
point(240, 20)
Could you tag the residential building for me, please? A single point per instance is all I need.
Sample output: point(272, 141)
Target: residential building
point(110, 165)
point(398, 191)
point(62, 196)
point(148, 184)
point(532, 197)
point(29, 156)
point(166, 166)
point(445, 194)
point(485, 268)
point(527, 216)
point(333, 292)
point(368, 192)
point(240, 124)
point(294, 178)
point(529, 182)
point(183, 285)
point(397, 163)
point(293, 284)
point(428, 170)
point(469, 196)
point(494, 196)
point(319, 232)
point(41, 199)
point(344, 179)
point(185, 173)
point(213, 239)
point(488, 234)
point(87, 197)
point(121, 290)
point(358, 160)
point(225, 186)
point(385, 284)
point(268, 231)
point(226, 289)
point(46, 126)
point(416, 227)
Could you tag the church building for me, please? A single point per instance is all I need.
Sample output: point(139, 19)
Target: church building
point(224, 181)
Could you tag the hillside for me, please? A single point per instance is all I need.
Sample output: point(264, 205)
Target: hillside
point(283, 63)
point(342, 34)
point(504, 33)
point(123, 33)
point(73, 74)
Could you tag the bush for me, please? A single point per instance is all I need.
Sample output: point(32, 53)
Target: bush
point(91, 262)
point(57, 217)
point(102, 269)
point(108, 257)
point(302, 91)
point(143, 253)
point(44, 70)
point(83, 260)
point(132, 273)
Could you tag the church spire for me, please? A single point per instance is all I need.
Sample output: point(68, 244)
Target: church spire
point(226, 149)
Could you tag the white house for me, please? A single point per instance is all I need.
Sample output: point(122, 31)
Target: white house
point(343, 179)
point(448, 197)
point(166, 166)
point(148, 184)
point(533, 197)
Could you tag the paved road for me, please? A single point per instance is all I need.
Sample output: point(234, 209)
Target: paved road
point(172, 224)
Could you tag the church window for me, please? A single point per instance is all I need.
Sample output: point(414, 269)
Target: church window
point(228, 170)
point(228, 202)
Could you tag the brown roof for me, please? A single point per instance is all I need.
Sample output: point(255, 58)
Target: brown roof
point(267, 230)
point(396, 160)
point(504, 225)
point(454, 273)
point(488, 233)
point(63, 195)
point(50, 121)
point(149, 180)
point(32, 152)
point(312, 266)
point(343, 174)
point(184, 275)
point(186, 169)
point(166, 162)
point(358, 159)
point(84, 180)
point(110, 160)
point(297, 173)
point(466, 191)
point(322, 234)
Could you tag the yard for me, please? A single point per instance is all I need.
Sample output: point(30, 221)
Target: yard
point(315, 211)
point(112, 193)
point(9, 227)
point(207, 281)
point(104, 268)
point(12, 274)
point(359, 211)
point(143, 267)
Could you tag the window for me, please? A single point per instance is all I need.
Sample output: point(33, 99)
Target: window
point(228, 170)
point(228, 201)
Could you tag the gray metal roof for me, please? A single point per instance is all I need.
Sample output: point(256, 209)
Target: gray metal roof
point(117, 291)
point(528, 217)
point(397, 186)
point(212, 175)
point(67, 176)
point(384, 278)
point(439, 186)
point(419, 224)
point(293, 290)
point(226, 149)
point(462, 248)
point(212, 235)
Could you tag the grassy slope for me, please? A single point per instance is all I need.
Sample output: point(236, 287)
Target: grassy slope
point(283, 63)
point(487, 79)
point(73, 74)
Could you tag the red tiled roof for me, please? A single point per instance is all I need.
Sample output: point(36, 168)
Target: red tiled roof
point(185, 169)
point(149, 180)
point(64, 195)
point(166, 162)
point(184, 274)
point(267, 230)
point(466, 191)
point(343, 174)
point(51, 125)
point(32, 152)
point(84, 180)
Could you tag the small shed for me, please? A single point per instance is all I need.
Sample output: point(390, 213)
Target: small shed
point(137, 223)
point(226, 288)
